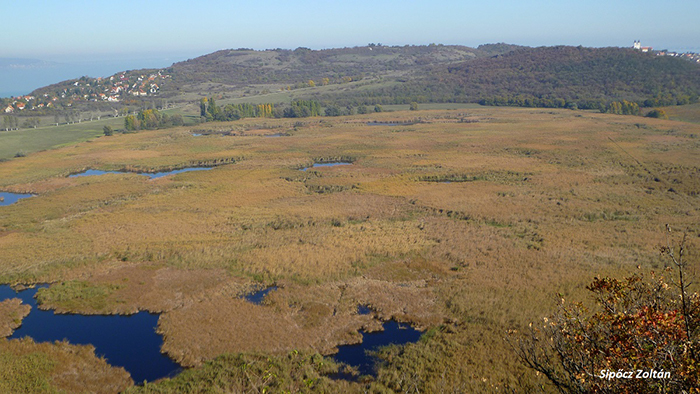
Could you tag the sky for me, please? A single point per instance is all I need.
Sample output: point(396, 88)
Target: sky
point(54, 29)
point(156, 33)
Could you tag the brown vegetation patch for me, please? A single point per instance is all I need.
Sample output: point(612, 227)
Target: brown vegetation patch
point(12, 311)
point(293, 317)
point(31, 367)
point(129, 288)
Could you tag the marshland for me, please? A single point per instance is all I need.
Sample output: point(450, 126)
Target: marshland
point(461, 230)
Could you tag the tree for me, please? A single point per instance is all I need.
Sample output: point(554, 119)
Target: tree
point(643, 337)
point(203, 107)
point(32, 122)
point(378, 108)
point(413, 106)
point(657, 113)
point(302, 109)
point(131, 123)
point(108, 131)
point(213, 111)
point(8, 122)
point(177, 120)
point(333, 110)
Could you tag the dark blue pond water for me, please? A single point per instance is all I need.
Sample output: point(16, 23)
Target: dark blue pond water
point(11, 198)
point(356, 355)
point(340, 163)
point(151, 175)
point(258, 296)
point(363, 310)
point(125, 341)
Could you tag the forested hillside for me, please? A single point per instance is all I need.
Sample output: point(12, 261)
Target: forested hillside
point(552, 77)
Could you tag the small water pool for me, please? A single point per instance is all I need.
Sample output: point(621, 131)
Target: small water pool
point(7, 198)
point(363, 310)
point(339, 163)
point(125, 341)
point(356, 355)
point(391, 123)
point(151, 175)
point(258, 296)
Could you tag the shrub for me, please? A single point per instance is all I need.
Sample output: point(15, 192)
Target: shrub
point(642, 338)
point(657, 113)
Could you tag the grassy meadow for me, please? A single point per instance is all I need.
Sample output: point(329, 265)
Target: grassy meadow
point(466, 225)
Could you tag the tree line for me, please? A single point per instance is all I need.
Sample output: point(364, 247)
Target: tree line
point(210, 111)
point(149, 119)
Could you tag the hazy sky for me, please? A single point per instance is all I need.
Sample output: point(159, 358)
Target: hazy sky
point(52, 29)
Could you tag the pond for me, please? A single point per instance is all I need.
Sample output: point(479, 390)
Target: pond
point(363, 310)
point(125, 341)
point(391, 123)
point(258, 296)
point(339, 163)
point(11, 198)
point(151, 175)
point(356, 355)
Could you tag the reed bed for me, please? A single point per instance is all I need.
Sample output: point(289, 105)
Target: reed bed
point(539, 202)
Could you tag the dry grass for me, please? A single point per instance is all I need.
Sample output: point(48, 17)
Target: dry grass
point(12, 312)
point(540, 202)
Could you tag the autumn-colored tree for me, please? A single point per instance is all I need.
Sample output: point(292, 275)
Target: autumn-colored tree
point(657, 113)
point(131, 123)
point(643, 336)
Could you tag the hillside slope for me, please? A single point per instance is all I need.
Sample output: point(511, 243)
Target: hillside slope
point(494, 74)
point(568, 73)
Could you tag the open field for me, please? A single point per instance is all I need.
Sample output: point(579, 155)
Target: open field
point(465, 225)
point(25, 141)
point(684, 113)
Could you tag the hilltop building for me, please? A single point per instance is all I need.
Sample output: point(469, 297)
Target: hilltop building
point(638, 46)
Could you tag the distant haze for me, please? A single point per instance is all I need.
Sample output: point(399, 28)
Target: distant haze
point(20, 76)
